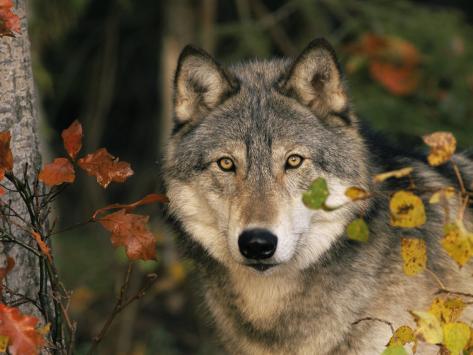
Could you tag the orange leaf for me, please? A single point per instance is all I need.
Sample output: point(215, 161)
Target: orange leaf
point(397, 80)
point(57, 172)
point(2, 191)
point(42, 245)
point(4, 271)
point(24, 339)
point(130, 230)
point(6, 156)
point(442, 147)
point(148, 199)
point(9, 22)
point(105, 167)
point(72, 138)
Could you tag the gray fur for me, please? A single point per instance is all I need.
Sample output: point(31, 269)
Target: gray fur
point(324, 282)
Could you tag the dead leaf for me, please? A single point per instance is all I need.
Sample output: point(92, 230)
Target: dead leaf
point(407, 210)
point(428, 327)
point(414, 255)
point(72, 138)
point(24, 339)
point(42, 245)
point(130, 230)
point(442, 147)
point(357, 193)
point(447, 309)
point(105, 167)
point(58, 172)
point(395, 173)
point(6, 156)
point(458, 242)
point(148, 199)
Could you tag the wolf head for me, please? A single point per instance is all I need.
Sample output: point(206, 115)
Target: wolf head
point(248, 141)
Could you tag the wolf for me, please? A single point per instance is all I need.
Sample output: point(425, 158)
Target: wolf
point(278, 277)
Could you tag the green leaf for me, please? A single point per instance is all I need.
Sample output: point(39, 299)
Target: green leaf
point(394, 350)
point(358, 230)
point(316, 195)
point(456, 336)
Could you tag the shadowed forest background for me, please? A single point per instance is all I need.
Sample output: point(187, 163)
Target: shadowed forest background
point(110, 64)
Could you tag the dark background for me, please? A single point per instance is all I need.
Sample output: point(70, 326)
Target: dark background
point(110, 65)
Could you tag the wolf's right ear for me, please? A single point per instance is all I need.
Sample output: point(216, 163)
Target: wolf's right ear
point(200, 85)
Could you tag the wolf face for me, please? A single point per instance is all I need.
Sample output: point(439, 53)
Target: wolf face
point(248, 141)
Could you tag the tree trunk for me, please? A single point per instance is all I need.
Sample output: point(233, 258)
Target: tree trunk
point(19, 115)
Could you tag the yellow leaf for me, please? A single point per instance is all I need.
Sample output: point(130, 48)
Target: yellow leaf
point(447, 310)
point(4, 343)
point(428, 327)
point(394, 350)
point(407, 210)
point(414, 255)
point(395, 173)
point(44, 330)
point(456, 337)
point(403, 335)
point(357, 193)
point(445, 193)
point(442, 146)
point(457, 242)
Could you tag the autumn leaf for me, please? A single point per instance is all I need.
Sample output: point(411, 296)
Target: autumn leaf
point(457, 242)
point(4, 271)
point(358, 230)
point(428, 327)
point(403, 335)
point(148, 199)
point(447, 310)
point(72, 138)
point(397, 80)
point(316, 195)
point(393, 174)
point(9, 22)
point(357, 193)
point(57, 172)
point(442, 147)
point(444, 194)
point(407, 210)
point(130, 230)
point(23, 337)
point(6, 156)
point(105, 167)
point(456, 336)
point(414, 255)
point(42, 245)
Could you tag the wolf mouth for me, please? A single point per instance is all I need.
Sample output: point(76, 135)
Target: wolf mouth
point(261, 267)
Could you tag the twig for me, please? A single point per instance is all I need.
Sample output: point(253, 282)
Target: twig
point(120, 305)
point(456, 293)
point(436, 278)
point(375, 319)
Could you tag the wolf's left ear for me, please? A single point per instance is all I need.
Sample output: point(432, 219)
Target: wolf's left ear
point(200, 85)
point(316, 81)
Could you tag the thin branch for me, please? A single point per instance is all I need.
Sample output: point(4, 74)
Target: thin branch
point(436, 278)
point(120, 305)
point(375, 319)
point(456, 293)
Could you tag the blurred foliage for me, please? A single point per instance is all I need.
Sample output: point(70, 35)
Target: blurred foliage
point(103, 62)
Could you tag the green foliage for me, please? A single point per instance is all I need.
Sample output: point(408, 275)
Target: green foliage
point(316, 195)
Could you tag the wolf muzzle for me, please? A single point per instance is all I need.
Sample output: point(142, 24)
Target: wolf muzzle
point(257, 244)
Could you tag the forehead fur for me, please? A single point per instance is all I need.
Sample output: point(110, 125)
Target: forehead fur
point(260, 74)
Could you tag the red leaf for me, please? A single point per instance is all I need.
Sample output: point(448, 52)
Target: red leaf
point(6, 156)
point(72, 138)
point(130, 230)
point(2, 191)
point(57, 172)
point(148, 199)
point(42, 245)
point(24, 339)
point(9, 22)
point(398, 80)
point(105, 167)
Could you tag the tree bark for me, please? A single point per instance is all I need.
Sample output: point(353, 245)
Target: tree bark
point(19, 115)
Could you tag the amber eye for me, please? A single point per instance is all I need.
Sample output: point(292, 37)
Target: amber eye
point(294, 161)
point(226, 164)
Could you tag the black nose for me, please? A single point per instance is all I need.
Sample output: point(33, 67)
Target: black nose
point(257, 244)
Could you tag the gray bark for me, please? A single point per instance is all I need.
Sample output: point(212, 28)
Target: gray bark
point(19, 115)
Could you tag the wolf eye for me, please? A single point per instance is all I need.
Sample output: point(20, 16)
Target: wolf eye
point(294, 161)
point(226, 164)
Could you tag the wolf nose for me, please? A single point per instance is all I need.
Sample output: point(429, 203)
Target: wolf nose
point(257, 244)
